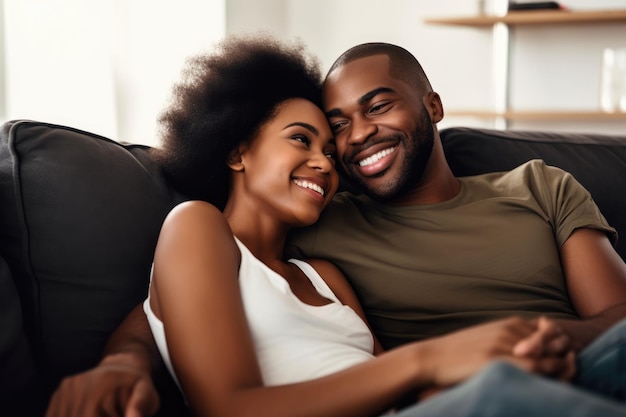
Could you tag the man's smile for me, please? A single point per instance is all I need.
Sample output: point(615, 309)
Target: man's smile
point(375, 159)
point(377, 156)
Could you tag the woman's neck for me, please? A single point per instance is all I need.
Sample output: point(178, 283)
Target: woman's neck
point(261, 234)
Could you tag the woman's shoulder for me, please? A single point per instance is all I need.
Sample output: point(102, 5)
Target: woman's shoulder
point(195, 208)
point(333, 276)
point(196, 212)
point(196, 220)
point(324, 267)
point(195, 236)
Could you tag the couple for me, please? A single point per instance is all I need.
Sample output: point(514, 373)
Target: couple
point(244, 332)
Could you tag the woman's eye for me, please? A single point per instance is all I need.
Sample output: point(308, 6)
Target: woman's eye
point(302, 138)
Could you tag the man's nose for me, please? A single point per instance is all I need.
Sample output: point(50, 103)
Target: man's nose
point(362, 128)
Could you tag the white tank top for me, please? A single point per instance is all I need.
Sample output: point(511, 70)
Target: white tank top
point(294, 341)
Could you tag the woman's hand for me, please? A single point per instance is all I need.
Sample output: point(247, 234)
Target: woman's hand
point(548, 340)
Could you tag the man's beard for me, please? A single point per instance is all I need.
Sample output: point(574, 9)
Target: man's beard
point(419, 148)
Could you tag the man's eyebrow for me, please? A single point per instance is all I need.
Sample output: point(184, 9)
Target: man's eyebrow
point(306, 126)
point(332, 113)
point(362, 100)
point(368, 96)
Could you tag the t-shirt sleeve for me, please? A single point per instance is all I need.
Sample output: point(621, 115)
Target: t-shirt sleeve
point(570, 205)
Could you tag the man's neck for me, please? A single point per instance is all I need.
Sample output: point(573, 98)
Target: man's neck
point(437, 185)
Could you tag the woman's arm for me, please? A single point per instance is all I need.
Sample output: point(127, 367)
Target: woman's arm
point(196, 288)
point(545, 338)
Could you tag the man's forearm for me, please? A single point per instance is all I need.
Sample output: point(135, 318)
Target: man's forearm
point(123, 381)
point(584, 331)
point(132, 344)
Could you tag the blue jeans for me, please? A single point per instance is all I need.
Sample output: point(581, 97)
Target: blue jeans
point(602, 365)
point(502, 389)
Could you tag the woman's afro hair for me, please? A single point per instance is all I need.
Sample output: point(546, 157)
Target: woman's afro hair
point(223, 99)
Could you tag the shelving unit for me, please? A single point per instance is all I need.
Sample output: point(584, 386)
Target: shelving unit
point(536, 18)
point(539, 17)
point(539, 115)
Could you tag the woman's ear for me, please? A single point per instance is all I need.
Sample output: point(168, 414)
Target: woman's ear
point(234, 161)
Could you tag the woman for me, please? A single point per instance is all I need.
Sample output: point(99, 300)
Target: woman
point(243, 331)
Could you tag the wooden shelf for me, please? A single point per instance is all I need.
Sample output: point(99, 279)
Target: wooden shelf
point(538, 115)
point(530, 18)
point(536, 18)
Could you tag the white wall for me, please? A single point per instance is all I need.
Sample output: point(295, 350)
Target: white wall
point(558, 68)
point(552, 67)
point(108, 65)
point(458, 62)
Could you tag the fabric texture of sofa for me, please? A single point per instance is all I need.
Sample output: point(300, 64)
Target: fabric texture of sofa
point(80, 215)
point(79, 219)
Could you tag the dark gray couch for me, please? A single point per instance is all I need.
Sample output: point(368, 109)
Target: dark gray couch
point(80, 215)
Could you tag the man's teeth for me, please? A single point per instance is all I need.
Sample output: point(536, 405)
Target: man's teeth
point(371, 159)
point(309, 185)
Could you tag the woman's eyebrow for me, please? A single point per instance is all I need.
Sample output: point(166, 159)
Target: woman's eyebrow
point(307, 126)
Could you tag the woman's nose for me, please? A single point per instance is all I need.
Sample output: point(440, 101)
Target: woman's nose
point(321, 161)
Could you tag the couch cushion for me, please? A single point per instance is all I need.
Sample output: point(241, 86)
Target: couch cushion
point(18, 376)
point(79, 219)
point(598, 162)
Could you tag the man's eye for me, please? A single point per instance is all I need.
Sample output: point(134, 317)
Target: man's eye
point(337, 125)
point(379, 107)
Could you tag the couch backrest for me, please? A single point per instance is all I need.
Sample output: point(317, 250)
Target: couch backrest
point(597, 161)
point(80, 215)
point(79, 219)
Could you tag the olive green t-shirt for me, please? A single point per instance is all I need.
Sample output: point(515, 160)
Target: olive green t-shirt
point(492, 251)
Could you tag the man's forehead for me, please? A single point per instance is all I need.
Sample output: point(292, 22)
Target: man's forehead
point(354, 80)
point(362, 71)
point(361, 67)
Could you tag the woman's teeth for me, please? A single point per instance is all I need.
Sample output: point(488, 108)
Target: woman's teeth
point(309, 185)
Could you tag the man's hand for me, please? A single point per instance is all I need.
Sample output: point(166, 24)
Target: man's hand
point(457, 356)
point(110, 389)
point(548, 340)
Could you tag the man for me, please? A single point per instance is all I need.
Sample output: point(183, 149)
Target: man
point(428, 253)
point(436, 253)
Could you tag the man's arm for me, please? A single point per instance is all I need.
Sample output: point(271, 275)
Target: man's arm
point(121, 382)
point(596, 281)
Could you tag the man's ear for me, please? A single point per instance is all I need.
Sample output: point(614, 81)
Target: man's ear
point(234, 160)
point(432, 101)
